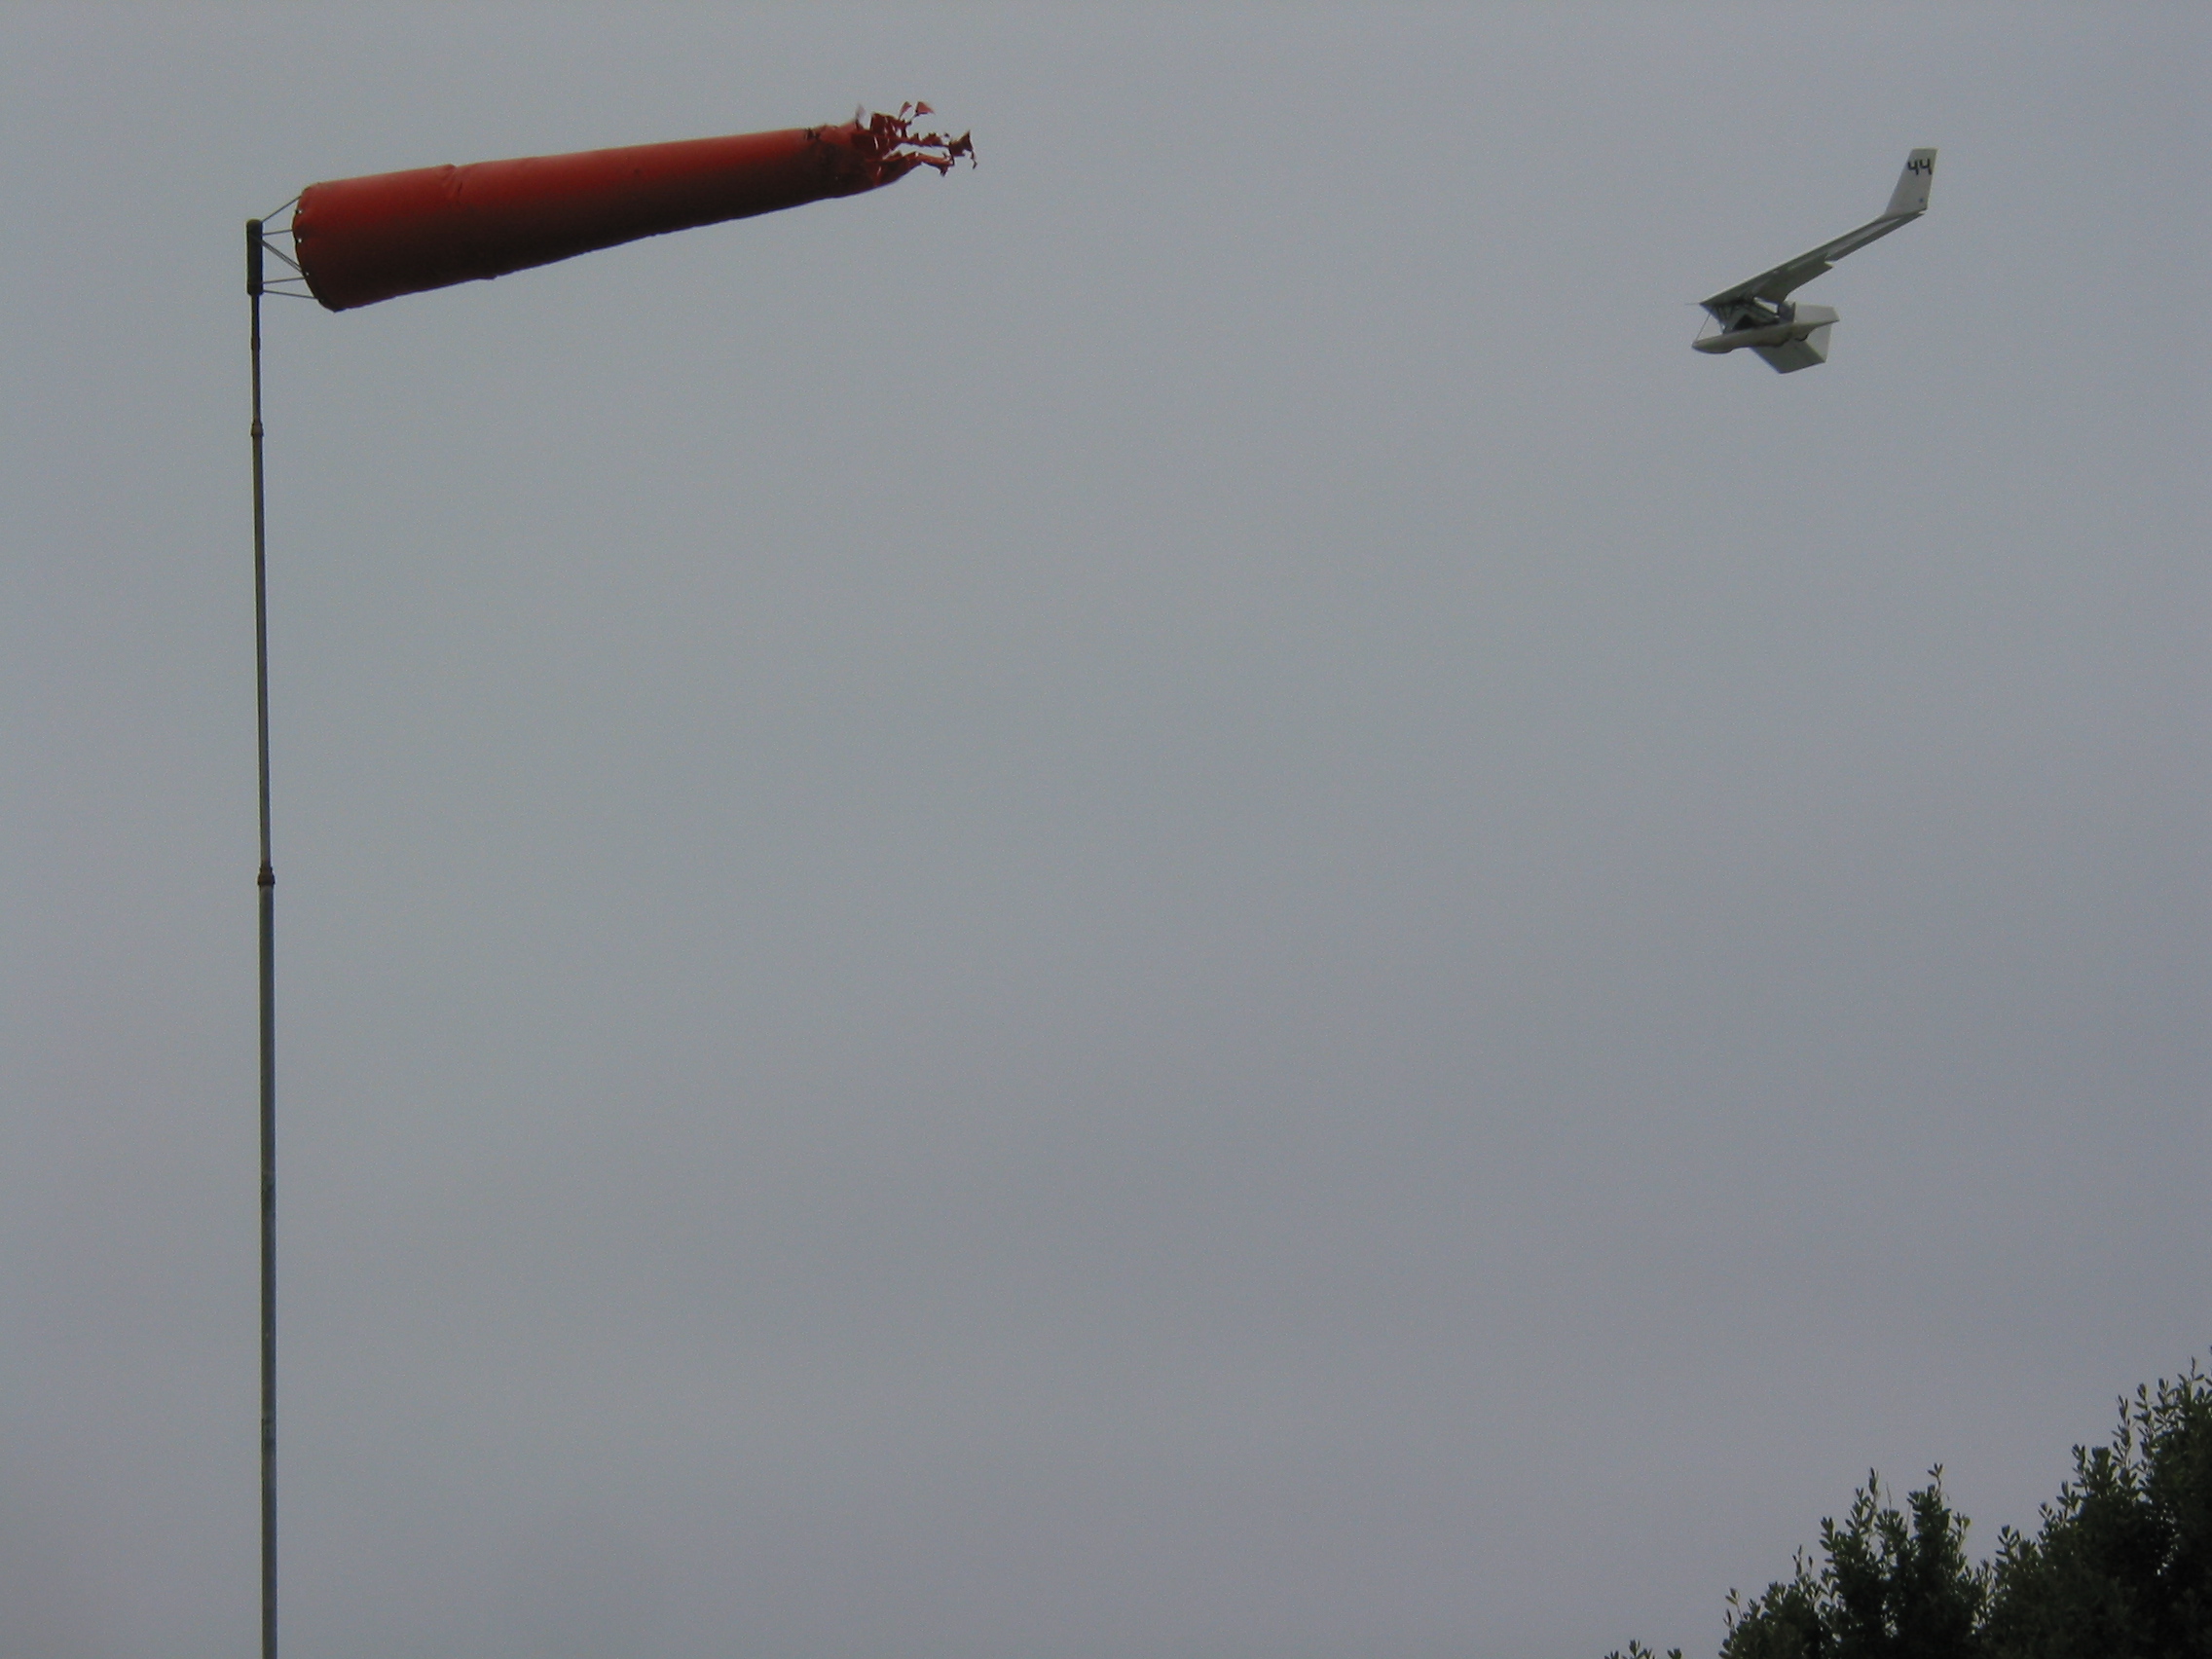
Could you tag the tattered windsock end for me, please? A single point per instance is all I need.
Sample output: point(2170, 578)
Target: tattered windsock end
point(897, 149)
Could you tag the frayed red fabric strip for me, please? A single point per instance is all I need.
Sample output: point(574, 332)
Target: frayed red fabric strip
point(893, 140)
point(363, 240)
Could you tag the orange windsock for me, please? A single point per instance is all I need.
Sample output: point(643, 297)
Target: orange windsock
point(359, 240)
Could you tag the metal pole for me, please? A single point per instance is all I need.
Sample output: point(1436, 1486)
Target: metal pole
point(266, 882)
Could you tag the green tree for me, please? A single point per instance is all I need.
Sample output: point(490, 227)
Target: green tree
point(2120, 1567)
point(1896, 1585)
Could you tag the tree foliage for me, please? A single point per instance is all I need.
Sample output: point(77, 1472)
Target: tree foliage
point(1895, 1585)
point(2120, 1567)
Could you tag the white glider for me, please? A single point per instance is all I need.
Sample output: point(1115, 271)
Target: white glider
point(1759, 314)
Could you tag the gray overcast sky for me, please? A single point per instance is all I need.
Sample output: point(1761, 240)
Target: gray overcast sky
point(1169, 901)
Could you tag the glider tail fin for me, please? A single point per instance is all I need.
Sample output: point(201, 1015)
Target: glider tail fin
point(1911, 194)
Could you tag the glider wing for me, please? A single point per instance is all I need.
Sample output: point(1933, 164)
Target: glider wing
point(1907, 203)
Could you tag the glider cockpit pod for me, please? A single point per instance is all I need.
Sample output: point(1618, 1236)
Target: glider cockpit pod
point(1759, 314)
